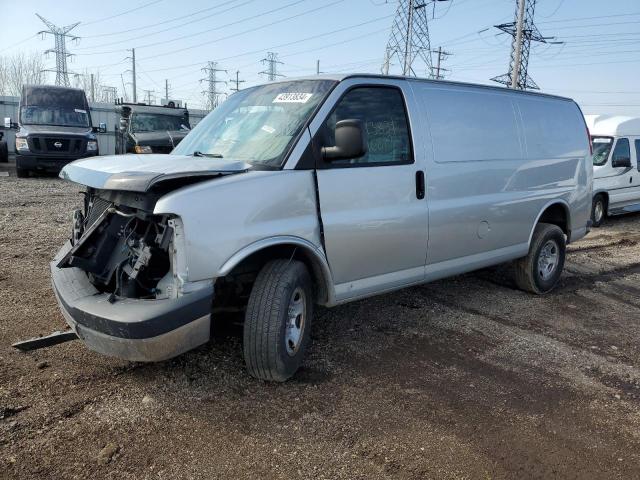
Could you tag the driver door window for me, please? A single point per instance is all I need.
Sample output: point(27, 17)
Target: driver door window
point(382, 113)
point(622, 150)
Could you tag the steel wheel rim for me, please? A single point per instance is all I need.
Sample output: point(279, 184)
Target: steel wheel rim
point(548, 259)
point(296, 316)
point(598, 211)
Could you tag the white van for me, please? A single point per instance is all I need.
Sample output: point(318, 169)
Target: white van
point(321, 191)
point(616, 172)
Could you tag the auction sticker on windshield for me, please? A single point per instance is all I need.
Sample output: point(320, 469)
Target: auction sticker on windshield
point(293, 98)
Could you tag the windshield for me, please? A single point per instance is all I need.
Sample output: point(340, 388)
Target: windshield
point(601, 148)
point(257, 125)
point(59, 116)
point(151, 122)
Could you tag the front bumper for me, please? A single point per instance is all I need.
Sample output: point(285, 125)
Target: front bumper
point(131, 329)
point(49, 163)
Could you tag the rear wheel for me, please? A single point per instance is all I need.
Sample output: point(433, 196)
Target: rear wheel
point(540, 270)
point(598, 210)
point(278, 320)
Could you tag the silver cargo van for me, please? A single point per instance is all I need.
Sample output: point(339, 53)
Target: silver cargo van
point(319, 191)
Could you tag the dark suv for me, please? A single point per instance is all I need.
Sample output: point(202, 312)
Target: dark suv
point(54, 128)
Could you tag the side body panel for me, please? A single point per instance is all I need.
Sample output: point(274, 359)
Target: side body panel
point(221, 217)
point(496, 165)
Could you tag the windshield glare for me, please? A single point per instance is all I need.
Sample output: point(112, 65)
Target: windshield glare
point(257, 125)
point(601, 148)
point(151, 122)
point(59, 116)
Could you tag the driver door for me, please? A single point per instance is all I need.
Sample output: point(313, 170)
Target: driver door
point(373, 209)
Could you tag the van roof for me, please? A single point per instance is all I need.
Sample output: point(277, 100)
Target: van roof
point(613, 125)
point(340, 77)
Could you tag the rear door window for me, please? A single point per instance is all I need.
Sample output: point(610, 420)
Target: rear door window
point(637, 142)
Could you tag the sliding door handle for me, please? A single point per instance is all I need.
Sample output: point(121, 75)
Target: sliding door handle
point(420, 185)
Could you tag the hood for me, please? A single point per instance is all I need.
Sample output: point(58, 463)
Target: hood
point(56, 130)
point(138, 173)
point(158, 139)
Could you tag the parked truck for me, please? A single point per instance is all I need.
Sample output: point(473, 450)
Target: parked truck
point(54, 128)
point(323, 191)
point(146, 128)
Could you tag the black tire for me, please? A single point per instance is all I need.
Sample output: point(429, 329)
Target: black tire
point(269, 353)
point(22, 172)
point(529, 270)
point(598, 216)
point(4, 152)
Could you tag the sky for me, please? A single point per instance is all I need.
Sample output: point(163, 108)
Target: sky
point(598, 63)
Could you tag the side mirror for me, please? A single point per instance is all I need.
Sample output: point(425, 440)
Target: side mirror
point(351, 141)
point(620, 162)
point(8, 124)
point(123, 124)
point(102, 127)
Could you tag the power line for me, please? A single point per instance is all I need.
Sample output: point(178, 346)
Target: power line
point(438, 71)
point(121, 13)
point(137, 37)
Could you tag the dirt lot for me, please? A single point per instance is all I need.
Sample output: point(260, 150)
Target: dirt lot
point(462, 378)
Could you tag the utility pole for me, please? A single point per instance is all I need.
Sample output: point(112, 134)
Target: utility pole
point(60, 34)
point(317, 67)
point(237, 81)
point(212, 83)
point(409, 39)
point(124, 89)
point(438, 71)
point(523, 31)
point(147, 96)
point(133, 74)
point(166, 89)
point(272, 66)
point(93, 89)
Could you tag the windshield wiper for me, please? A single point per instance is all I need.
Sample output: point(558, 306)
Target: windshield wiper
point(210, 155)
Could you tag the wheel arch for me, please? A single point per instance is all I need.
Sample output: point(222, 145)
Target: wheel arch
point(267, 249)
point(556, 212)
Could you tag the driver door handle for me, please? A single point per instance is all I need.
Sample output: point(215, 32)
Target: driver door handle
point(420, 185)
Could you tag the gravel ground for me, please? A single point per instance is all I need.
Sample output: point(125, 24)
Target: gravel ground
point(462, 378)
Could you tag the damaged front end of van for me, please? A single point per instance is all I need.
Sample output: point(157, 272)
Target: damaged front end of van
point(121, 278)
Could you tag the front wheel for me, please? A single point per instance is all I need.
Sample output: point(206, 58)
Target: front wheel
point(540, 270)
point(598, 210)
point(278, 320)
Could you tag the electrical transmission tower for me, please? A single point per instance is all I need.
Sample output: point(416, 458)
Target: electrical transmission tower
point(523, 32)
point(409, 39)
point(272, 66)
point(60, 34)
point(212, 83)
